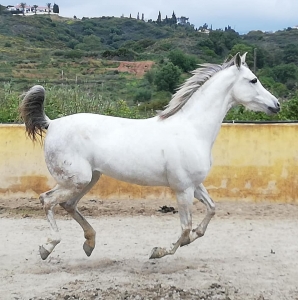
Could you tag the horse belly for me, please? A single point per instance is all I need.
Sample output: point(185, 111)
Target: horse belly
point(126, 163)
point(135, 172)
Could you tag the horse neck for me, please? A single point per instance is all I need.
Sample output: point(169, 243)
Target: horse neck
point(208, 106)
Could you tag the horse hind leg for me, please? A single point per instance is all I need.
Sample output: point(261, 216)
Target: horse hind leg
point(69, 187)
point(71, 207)
point(49, 200)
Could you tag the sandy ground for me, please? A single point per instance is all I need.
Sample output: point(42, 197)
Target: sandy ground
point(250, 251)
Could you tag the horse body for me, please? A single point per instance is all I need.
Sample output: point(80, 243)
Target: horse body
point(146, 152)
point(173, 149)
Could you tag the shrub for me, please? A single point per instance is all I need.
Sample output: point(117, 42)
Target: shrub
point(167, 78)
point(142, 95)
point(72, 54)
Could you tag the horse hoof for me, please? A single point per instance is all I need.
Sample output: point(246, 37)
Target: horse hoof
point(157, 252)
point(43, 252)
point(88, 250)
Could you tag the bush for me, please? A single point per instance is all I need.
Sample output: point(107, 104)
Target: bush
point(40, 38)
point(167, 78)
point(72, 54)
point(183, 61)
point(150, 76)
point(142, 95)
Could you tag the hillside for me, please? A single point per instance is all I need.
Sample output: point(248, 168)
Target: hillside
point(62, 52)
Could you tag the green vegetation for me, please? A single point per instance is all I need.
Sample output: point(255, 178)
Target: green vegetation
point(77, 61)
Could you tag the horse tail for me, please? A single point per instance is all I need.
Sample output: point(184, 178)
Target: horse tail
point(32, 112)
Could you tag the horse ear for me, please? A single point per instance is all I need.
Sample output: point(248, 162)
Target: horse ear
point(243, 57)
point(238, 60)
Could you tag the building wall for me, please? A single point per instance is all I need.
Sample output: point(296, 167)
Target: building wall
point(252, 162)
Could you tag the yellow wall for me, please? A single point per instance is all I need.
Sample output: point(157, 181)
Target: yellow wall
point(252, 162)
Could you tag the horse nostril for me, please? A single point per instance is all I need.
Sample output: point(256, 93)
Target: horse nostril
point(278, 105)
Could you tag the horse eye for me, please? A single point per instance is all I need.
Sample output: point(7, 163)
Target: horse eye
point(255, 80)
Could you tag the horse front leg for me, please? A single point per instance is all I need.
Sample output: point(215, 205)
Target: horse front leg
point(202, 195)
point(184, 201)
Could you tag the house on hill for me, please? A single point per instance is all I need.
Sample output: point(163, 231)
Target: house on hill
point(29, 9)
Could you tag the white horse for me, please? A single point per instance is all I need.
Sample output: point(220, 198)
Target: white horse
point(172, 149)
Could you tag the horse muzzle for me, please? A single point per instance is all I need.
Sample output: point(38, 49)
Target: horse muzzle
point(274, 110)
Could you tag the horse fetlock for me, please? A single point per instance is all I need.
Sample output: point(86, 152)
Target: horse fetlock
point(185, 241)
point(54, 240)
point(212, 212)
point(199, 232)
point(90, 235)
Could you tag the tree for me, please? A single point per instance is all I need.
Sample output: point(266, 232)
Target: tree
point(159, 18)
point(23, 5)
point(183, 61)
point(291, 53)
point(174, 19)
point(2, 8)
point(49, 7)
point(285, 72)
point(35, 7)
point(55, 8)
point(242, 48)
point(218, 40)
point(167, 78)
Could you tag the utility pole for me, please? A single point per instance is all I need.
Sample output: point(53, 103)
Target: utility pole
point(255, 60)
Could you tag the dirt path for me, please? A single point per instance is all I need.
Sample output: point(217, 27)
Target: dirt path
point(250, 251)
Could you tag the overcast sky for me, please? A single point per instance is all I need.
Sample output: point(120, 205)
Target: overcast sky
point(243, 16)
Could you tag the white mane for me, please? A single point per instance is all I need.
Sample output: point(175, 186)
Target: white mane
point(192, 84)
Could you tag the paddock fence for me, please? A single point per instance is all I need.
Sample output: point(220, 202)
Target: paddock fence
point(251, 162)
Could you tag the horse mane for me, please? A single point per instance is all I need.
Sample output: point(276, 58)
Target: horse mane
point(192, 84)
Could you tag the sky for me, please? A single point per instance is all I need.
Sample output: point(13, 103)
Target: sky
point(243, 16)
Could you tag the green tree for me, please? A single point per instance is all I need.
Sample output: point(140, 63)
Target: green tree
point(35, 7)
point(242, 48)
point(49, 7)
point(55, 8)
point(285, 72)
point(167, 78)
point(291, 53)
point(174, 19)
point(142, 95)
point(184, 61)
point(218, 41)
point(2, 8)
point(150, 76)
point(159, 18)
point(23, 5)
